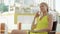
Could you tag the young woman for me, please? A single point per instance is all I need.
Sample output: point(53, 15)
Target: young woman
point(44, 22)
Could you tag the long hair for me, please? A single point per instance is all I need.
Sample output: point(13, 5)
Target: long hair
point(45, 5)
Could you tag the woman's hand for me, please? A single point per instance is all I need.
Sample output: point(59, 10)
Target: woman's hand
point(37, 14)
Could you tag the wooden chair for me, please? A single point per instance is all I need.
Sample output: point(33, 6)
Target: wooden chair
point(18, 32)
point(19, 26)
point(2, 28)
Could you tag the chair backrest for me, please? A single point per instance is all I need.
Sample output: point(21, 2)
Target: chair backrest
point(2, 27)
point(15, 32)
point(54, 26)
point(18, 32)
point(19, 26)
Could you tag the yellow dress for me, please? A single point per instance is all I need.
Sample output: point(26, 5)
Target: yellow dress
point(41, 24)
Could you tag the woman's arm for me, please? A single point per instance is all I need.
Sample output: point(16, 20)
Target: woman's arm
point(33, 24)
point(50, 23)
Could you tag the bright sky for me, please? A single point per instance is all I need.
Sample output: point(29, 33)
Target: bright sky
point(8, 1)
point(57, 4)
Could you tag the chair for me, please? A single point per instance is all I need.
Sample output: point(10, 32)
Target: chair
point(2, 28)
point(18, 32)
point(19, 26)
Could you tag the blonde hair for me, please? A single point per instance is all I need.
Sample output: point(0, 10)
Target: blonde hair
point(45, 5)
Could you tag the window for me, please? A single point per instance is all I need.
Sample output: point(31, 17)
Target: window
point(11, 8)
point(3, 8)
point(59, 19)
point(16, 9)
point(18, 1)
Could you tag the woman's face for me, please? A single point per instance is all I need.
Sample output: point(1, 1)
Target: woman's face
point(43, 8)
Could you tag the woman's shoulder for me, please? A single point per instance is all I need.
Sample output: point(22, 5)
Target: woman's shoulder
point(49, 14)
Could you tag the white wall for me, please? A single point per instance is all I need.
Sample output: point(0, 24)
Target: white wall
point(3, 19)
point(10, 23)
point(26, 21)
point(57, 5)
point(58, 10)
point(58, 28)
point(58, 25)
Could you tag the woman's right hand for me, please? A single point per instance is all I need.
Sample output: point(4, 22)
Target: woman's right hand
point(34, 25)
point(36, 15)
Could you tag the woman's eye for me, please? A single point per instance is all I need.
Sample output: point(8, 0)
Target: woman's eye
point(42, 6)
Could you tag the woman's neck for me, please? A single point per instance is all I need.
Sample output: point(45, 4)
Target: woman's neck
point(44, 13)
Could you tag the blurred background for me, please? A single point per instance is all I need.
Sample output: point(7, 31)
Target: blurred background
point(13, 12)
